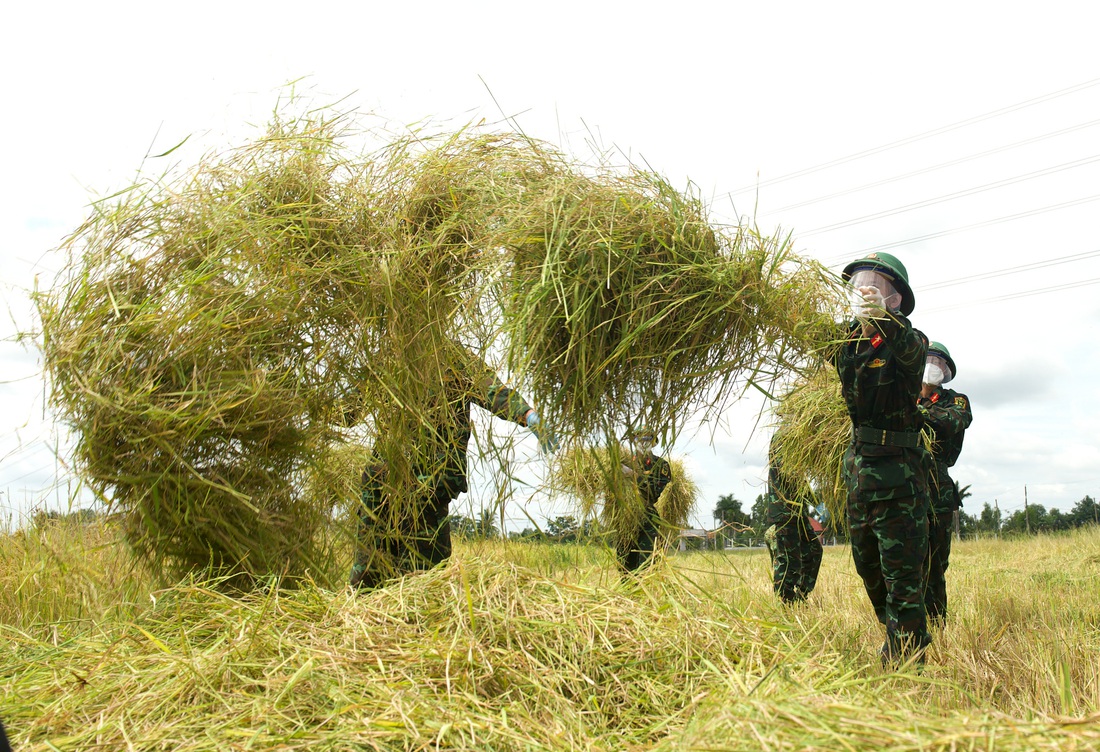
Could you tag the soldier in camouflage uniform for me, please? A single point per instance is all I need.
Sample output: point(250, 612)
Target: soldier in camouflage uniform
point(393, 541)
point(793, 544)
point(948, 414)
point(652, 473)
point(880, 364)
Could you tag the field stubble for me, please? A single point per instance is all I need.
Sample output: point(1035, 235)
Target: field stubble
point(535, 646)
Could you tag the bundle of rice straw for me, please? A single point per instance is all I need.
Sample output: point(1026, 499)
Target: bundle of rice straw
point(199, 339)
point(213, 333)
point(594, 476)
point(622, 299)
point(814, 431)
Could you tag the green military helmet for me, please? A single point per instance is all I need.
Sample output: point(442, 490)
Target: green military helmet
point(937, 348)
point(893, 268)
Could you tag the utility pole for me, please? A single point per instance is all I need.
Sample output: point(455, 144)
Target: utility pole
point(1027, 517)
point(997, 508)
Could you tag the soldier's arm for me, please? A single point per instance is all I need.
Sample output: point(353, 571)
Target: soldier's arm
point(501, 400)
point(951, 415)
point(909, 345)
point(662, 475)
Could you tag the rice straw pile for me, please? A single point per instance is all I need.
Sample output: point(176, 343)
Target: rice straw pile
point(214, 333)
point(201, 336)
point(594, 477)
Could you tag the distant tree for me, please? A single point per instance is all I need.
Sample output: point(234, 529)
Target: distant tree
point(528, 534)
point(487, 525)
point(1085, 512)
point(728, 512)
point(463, 527)
point(1031, 520)
point(989, 521)
point(563, 529)
point(964, 494)
point(968, 525)
point(759, 515)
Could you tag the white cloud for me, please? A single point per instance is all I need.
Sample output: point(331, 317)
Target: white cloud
point(720, 94)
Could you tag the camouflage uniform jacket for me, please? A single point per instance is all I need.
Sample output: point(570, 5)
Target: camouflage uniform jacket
point(880, 379)
point(447, 441)
point(656, 473)
point(949, 415)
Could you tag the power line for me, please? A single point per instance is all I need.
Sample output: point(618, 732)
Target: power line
point(1017, 295)
point(975, 225)
point(918, 137)
point(951, 196)
point(933, 168)
point(1012, 270)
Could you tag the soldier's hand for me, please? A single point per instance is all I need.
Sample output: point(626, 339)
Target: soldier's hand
point(874, 304)
point(548, 441)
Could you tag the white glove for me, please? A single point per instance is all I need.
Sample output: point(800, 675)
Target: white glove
point(627, 469)
point(874, 305)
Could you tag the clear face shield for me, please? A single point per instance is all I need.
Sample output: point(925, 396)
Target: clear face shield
point(867, 277)
point(936, 371)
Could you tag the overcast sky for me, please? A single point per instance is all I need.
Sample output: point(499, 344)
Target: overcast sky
point(962, 137)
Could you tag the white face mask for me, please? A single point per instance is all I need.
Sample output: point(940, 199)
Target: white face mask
point(874, 278)
point(933, 374)
point(941, 368)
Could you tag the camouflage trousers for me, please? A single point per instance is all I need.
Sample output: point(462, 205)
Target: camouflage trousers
point(795, 552)
point(939, 551)
point(635, 552)
point(889, 547)
point(391, 542)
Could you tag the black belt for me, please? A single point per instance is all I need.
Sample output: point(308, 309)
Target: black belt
point(904, 439)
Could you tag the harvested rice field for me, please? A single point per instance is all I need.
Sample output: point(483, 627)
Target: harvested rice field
point(521, 646)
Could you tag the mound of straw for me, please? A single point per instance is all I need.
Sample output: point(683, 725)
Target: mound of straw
point(215, 333)
point(487, 655)
point(594, 477)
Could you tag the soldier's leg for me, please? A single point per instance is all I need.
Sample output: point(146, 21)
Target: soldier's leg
point(648, 536)
point(865, 553)
point(901, 526)
point(811, 550)
point(939, 551)
point(432, 537)
point(371, 564)
point(787, 569)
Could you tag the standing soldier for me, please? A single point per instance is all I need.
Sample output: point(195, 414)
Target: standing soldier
point(948, 413)
point(652, 473)
point(793, 544)
point(880, 364)
point(393, 539)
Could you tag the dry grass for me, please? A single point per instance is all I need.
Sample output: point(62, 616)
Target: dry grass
point(491, 652)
